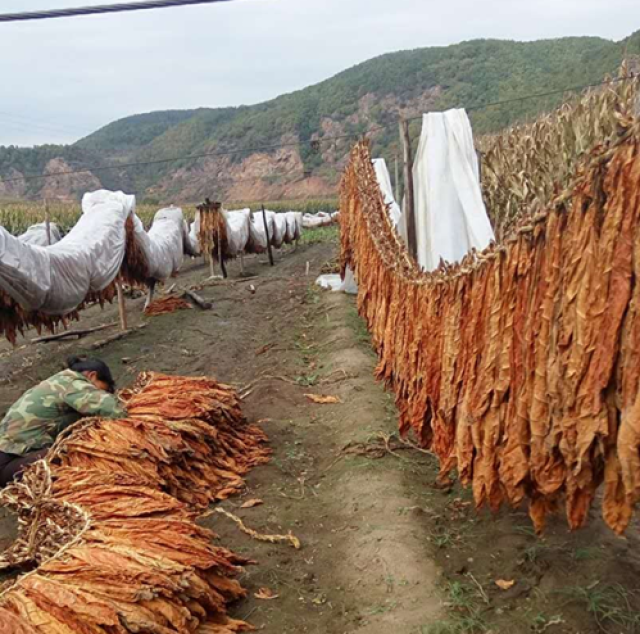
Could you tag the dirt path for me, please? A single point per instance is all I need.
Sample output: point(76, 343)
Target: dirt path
point(384, 549)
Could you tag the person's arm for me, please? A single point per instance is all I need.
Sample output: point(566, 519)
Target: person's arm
point(88, 400)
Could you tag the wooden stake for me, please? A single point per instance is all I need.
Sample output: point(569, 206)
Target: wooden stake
point(47, 222)
point(121, 307)
point(412, 241)
point(266, 230)
point(398, 199)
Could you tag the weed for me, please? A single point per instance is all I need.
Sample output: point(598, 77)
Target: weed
point(312, 295)
point(466, 616)
point(528, 531)
point(589, 552)
point(443, 538)
point(382, 608)
point(533, 554)
point(359, 327)
point(609, 605)
point(307, 380)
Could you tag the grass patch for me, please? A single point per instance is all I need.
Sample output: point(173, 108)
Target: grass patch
point(359, 327)
point(465, 608)
point(321, 235)
point(609, 605)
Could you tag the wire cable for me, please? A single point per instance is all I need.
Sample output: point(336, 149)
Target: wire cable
point(101, 9)
point(326, 139)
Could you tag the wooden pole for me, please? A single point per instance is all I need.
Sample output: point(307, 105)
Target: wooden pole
point(412, 241)
point(121, 307)
point(266, 230)
point(398, 199)
point(47, 222)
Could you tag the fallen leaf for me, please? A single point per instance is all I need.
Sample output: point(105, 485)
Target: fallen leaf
point(264, 349)
point(505, 585)
point(323, 400)
point(249, 504)
point(265, 594)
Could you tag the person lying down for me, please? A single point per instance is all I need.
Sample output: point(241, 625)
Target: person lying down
point(34, 421)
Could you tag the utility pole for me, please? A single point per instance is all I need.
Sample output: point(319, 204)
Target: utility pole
point(412, 241)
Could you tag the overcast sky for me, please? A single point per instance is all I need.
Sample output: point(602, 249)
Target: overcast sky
point(62, 79)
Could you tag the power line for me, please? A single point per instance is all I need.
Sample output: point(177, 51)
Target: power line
point(101, 9)
point(116, 166)
point(540, 95)
point(326, 139)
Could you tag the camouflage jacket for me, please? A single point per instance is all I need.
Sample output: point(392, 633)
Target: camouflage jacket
point(40, 414)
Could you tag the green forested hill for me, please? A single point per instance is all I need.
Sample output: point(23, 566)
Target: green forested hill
point(366, 96)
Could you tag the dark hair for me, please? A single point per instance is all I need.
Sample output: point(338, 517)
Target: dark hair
point(89, 364)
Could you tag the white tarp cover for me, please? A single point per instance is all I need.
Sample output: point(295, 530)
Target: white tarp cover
point(238, 230)
point(164, 245)
point(321, 219)
point(291, 234)
point(55, 280)
point(384, 181)
point(451, 218)
point(194, 233)
point(279, 230)
point(37, 235)
point(258, 241)
point(299, 227)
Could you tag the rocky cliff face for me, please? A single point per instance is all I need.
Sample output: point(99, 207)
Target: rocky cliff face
point(62, 186)
point(281, 174)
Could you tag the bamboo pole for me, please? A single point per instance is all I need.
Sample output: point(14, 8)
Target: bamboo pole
point(412, 241)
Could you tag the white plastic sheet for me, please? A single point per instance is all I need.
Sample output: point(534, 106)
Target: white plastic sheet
point(279, 230)
point(291, 233)
point(258, 241)
point(193, 239)
point(384, 181)
point(335, 283)
point(451, 218)
point(164, 244)
point(37, 235)
point(238, 230)
point(321, 219)
point(57, 279)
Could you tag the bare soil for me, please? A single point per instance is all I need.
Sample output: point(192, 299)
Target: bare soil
point(384, 549)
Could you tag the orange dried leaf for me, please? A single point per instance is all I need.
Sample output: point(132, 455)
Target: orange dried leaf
point(323, 400)
point(249, 504)
point(265, 594)
point(505, 585)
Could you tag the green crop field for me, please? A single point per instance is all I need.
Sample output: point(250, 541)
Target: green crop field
point(17, 217)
